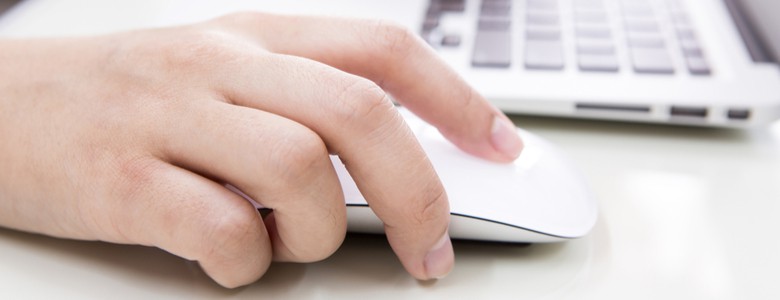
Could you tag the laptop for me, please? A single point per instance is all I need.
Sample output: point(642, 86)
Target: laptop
point(6, 5)
point(692, 62)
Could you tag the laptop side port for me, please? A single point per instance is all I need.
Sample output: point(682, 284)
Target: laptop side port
point(688, 111)
point(738, 114)
point(612, 107)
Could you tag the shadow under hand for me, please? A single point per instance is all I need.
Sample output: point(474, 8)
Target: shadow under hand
point(103, 270)
point(364, 264)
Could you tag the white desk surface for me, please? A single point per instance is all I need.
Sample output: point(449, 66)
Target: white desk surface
point(686, 213)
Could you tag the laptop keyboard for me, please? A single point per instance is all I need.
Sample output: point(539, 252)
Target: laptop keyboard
point(597, 32)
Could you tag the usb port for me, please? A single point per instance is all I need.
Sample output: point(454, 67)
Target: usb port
point(688, 111)
point(738, 114)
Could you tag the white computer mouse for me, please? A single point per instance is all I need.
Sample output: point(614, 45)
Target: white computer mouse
point(538, 198)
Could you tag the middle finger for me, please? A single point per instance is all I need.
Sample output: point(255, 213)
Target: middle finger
point(277, 162)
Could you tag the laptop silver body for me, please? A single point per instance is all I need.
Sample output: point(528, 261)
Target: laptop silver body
point(691, 62)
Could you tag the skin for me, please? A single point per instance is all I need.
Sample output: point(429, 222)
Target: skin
point(131, 138)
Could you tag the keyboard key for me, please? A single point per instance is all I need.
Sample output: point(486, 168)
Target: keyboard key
point(543, 33)
point(598, 62)
point(641, 40)
point(690, 47)
point(636, 9)
point(544, 55)
point(641, 26)
point(595, 46)
point(551, 5)
point(492, 49)
point(541, 19)
point(651, 60)
point(450, 40)
point(447, 5)
point(646, 43)
point(685, 33)
point(590, 17)
point(496, 2)
point(584, 5)
point(494, 24)
point(697, 65)
point(599, 32)
point(501, 5)
point(430, 23)
point(500, 10)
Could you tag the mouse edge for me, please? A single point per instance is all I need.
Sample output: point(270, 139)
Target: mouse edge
point(462, 227)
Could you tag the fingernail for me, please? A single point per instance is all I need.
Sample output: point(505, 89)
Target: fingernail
point(504, 137)
point(439, 261)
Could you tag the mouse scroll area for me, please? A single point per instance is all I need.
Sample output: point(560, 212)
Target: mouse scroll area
point(538, 198)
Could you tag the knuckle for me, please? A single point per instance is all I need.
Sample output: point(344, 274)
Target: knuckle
point(186, 51)
point(323, 247)
point(230, 233)
point(199, 49)
point(361, 100)
point(468, 100)
point(395, 39)
point(136, 174)
point(432, 206)
point(135, 177)
point(296, 154)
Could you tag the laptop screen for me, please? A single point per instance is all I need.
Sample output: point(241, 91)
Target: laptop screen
point(759, 25)
point(6, 4)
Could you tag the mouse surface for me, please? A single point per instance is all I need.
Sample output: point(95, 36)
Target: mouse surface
point(537, 198)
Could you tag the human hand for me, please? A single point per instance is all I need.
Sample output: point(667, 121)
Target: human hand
point(131, 138)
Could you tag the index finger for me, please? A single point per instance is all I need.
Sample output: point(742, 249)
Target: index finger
point(402, 64)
